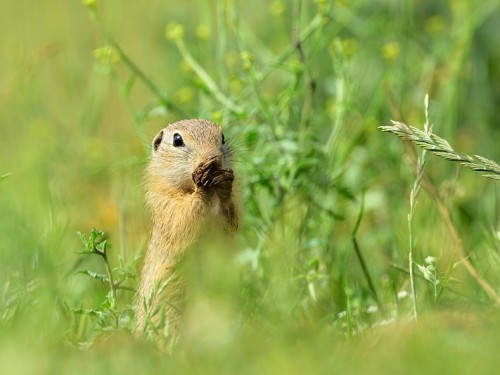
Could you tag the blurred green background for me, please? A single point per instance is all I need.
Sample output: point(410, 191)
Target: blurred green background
point(311, 81)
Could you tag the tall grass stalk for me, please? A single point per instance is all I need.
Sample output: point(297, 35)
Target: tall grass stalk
point(413, 202)
point(440, 147)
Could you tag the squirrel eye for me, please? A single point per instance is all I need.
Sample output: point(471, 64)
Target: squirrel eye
point(223, 139)
point(178, 141)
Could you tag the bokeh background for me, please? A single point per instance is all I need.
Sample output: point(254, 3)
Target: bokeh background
point(75, 127)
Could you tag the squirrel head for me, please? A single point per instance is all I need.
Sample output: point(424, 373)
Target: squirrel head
point(180, 147)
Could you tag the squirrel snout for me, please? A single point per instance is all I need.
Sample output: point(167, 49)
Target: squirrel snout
point(215, 160)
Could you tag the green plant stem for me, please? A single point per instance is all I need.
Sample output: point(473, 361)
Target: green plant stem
point(207, 80)
point(319, 21)
point(111, 281)
point(411, 265)
point(112, 288)
point(413, 201)
point(306, 74)
point(253, 76)
point(340, 100)
point(126, 98)
point(135, 69)
point(360, 256)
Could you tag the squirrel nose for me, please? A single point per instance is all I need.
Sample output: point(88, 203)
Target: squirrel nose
point(216, 159)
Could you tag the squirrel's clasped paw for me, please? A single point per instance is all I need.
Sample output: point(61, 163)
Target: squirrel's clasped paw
point(208, 174)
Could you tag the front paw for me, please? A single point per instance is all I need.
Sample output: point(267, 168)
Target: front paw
point(204, 174)
point(208, 175)
point(223, 182)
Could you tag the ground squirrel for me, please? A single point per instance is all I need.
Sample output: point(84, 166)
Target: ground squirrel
point(189, 185)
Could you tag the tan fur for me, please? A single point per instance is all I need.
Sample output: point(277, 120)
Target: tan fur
point(187, 187)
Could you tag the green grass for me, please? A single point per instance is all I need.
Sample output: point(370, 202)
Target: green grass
point(354, 254)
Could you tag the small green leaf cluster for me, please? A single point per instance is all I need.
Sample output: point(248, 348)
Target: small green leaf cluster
point(114, 312)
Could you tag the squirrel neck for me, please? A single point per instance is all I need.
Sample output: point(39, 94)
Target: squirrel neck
point(177, 217)
point(176, 223)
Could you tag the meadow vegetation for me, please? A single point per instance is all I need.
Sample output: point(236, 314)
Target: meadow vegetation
point(358, 251)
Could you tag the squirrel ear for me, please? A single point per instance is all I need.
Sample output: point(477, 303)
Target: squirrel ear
point(157, 141)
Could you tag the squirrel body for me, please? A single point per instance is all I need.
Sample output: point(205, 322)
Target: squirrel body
point(189, 186)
